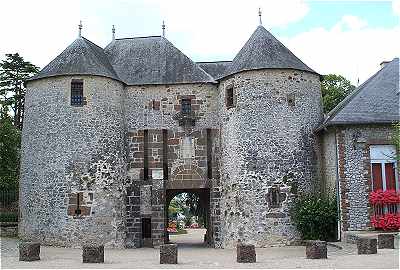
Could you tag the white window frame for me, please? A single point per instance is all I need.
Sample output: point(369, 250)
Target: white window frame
point(384, 154)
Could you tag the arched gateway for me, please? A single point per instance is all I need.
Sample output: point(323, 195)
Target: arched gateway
point(176, 161)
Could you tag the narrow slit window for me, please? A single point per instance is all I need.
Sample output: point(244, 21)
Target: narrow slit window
point(78, 204)
point(229, 97)
point(165, 153)
point(77, 93)
point(186, 106)
point(146, 155)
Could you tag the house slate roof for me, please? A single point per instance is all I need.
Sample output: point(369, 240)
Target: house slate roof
point(264, 51)
point(153, 60)
point(216, 69)
point(375, 101)
point(82, 57)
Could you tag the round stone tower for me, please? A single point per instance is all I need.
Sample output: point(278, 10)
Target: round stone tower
point(73, 160)
point(270, 103)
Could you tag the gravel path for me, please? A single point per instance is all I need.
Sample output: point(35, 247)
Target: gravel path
point(193, 254)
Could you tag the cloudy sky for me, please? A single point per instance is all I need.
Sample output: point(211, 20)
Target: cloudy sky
point(343, 37)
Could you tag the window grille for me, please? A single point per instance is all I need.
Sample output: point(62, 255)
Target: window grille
point(77, 93)
point(186, 106)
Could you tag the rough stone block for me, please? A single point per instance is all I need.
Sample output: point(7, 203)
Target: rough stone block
point(366, 245)
point(386, 241)
point(93, 254)
point(29, 251)
point(169, 254)
point(316, 250)
point(245, 253)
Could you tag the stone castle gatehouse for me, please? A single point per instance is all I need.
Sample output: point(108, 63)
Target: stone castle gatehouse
point(111, 135)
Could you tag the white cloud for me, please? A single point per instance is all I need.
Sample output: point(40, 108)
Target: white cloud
point(353, 51)
point(396, 7)
point(37, 29)
point(205, 30)
point(350, 22)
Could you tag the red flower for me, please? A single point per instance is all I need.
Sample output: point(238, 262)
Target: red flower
point(384, 197)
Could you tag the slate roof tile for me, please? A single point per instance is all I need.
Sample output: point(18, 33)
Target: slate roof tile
point(373, 102)
point(82, 57)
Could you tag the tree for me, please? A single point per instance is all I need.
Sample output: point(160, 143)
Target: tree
point(14, 71)
point(334, 89)
point(10, 139)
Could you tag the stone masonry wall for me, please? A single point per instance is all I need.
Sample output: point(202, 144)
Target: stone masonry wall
point(329, 162)
point(156, 108)
point(355, 171)
point(268, 153)
point(73, 164)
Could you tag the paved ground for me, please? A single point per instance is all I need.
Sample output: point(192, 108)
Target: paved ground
point(192, 254)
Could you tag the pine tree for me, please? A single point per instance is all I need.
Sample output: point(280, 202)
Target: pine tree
point(14, 71)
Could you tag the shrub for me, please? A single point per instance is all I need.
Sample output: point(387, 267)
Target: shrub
point(9, 217)
point(316, 217)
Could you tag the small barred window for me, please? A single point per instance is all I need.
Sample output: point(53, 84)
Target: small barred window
point(77, 92)
point(186, 106)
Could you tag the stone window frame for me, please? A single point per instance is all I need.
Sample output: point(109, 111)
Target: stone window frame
point(230, 96)
point(389, 160)
point(291, 100)
point(77, 97)
point(186, 106)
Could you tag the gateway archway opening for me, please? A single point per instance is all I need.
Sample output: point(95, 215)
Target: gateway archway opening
point(188, 217)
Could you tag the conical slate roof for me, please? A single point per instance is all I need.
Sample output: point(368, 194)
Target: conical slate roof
point(82, 57)
point(264, 51)
point(375, 101)
point(153, 60)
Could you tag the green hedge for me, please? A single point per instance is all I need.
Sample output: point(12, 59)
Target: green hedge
point(9, 217)
point(315, 217)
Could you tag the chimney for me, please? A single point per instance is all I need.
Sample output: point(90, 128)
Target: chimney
point(383, 63)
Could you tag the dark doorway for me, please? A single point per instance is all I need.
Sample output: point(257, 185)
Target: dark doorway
point(146, 232)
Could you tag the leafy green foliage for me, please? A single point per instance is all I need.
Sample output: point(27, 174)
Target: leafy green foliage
point(14, 71)
point(9, 217)
point(334, 89)
point(10, 140)
point(315, 217)
point(188, 205)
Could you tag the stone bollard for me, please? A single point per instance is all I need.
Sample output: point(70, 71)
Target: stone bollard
point(245, 253)
point(169, 254)
point(29, 251)
point(316, 249)
point(366, 245)
point(93, 254)
point(386, 241)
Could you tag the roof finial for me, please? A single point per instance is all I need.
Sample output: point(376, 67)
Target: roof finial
point(113, 33)
point(80, 29)
point(163, 28)
point(259, 15)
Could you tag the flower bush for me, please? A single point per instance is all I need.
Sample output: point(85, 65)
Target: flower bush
point(384, 197)
point(386, 221)
point(389, 198)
